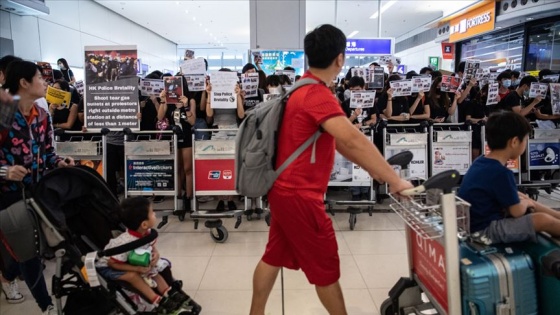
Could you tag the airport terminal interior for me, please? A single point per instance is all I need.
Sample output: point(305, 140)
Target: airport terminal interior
point(147, 97)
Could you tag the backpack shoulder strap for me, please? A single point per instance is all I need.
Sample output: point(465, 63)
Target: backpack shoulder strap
point(299, 83)
point(298, 151)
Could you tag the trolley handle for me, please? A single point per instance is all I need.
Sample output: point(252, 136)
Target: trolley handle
point(444, 180)
point(61, 132)
point(218, 129)
point(128, 131)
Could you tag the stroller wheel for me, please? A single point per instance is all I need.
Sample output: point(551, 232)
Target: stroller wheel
point(387, 307)
point(219, 234)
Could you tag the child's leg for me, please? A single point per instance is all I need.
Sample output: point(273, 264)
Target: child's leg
point(162, 286)
point(544, 222)
point(539, 207)
point(139, 284)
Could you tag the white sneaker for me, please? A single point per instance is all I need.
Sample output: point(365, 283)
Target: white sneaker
point(51, 310)
point(11, 290)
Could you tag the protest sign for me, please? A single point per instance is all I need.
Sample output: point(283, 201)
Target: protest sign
point(79, 85)
point(401, 88)
point(555, 98)
point(151, 87)
point(196, 82)
point(193, 66)
point(250, 84)
point(223, 89)
point(472, 69)
point(111, 97)
point(362, 99)
point(173, 87)
point(450, 83)
point(493, 89)
point(376, 78)
point(289, 73)
point(552, 77)
point(189, 54)
point(59, 97)
point(46, 71)
point(360, 72)
point(538, 90)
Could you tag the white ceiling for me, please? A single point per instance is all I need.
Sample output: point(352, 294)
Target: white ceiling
point(210, 23)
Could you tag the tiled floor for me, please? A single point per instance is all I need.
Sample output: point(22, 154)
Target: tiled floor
point(219, 276)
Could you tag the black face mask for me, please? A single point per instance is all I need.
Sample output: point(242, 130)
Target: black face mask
point(440, 92)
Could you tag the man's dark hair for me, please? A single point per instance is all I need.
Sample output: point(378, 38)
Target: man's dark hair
point(65, 86)
point(504, 75)
point(375, 64)
point(544, 72)
point(348, 75)
point(461, 67)
point(18, 70)
point(503, 126)
point(527, 80)
point(134, 211)
point(436, 74)
point(411, 74)
point(515, 74)
point(356, 81)
point(426, 70)
point(57, 74)
point(6, 60)
point(154, 75)
point(289, 68)
point(273, 80)
point(323, 45)
point(248, 67)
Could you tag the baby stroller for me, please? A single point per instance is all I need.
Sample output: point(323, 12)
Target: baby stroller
point(75, 214)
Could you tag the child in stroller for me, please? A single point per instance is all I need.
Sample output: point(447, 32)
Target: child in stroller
point(140, 267)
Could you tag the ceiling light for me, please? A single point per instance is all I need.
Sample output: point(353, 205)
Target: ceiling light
point(206, 30)
point(211, 34)
point(383, 9)
point(352, 34)
point(177, 2)
point(530, 19)
point(200, 24)
point(194, 18)
point(187, 11)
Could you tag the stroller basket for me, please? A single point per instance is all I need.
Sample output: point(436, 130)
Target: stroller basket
point(422, 213)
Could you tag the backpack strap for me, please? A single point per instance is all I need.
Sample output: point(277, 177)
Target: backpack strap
point(298, 151)
point(130, 246)
point(298, 84)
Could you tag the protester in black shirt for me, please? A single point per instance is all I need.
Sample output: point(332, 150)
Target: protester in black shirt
point(476, 112)
point(441, 106)
point(514, 100)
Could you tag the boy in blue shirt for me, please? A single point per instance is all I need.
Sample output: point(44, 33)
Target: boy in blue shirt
point(499, 213)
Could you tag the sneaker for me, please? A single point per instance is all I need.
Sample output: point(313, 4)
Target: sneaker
point(355, 197)
point(11, 290)
point(158, 199)
point(231, 205)
point(51, 310)
point(204, 199)
point(167, 305)
point(221, 206)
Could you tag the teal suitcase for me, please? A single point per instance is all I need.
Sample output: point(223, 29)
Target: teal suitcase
point(497, 280)
point(546, 257)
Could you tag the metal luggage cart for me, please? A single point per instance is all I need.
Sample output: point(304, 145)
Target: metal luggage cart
point(86, 148)
point(348, 174)
point(435, 224)
point(451, 147)
point(151, 166)
point(214, 175)
point(406, 137)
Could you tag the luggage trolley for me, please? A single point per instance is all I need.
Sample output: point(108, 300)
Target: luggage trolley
point(348, 174)
point(543, 154)
point(451, 147)
point(435, 223)
point(151, 166)
point(406, 137)
point(87, 148)
point(214, 175)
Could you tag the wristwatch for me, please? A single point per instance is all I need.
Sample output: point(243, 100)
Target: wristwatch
point(4, 171)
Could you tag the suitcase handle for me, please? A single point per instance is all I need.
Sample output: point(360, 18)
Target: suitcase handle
point(481, 249)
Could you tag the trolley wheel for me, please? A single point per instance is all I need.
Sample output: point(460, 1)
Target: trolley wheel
point(219, 234)
point(387, 308)
point(181, 217)
point(267, 219)
point(352, 221)
point(249, 217)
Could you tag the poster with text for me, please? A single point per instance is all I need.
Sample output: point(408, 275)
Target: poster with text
point(376, 78)
point(59, 97)
point(362, 99)
point(450, 83)
point(79, 85)
point(150, 175)
point(173, 87)
point(46, 71)
point(193, 66)
point(544, 155)
point(250, 84)
point(538, 90)
point(493, 97)
point(555, 98)
point(472, 69)
point(401, 87)
point(151, 87)
point(223, 89)
point(196, 82)
point(552, 77)
point(450, 157)
point(360, 72)
point(289, 73)
point(111, 88)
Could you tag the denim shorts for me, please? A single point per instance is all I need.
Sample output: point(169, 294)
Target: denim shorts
point(110, 273)
point(509, 230)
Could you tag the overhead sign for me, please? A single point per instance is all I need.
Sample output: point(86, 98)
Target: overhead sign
point(447, 50)
point(434, 63)
point(373, 46)
point(472, 23)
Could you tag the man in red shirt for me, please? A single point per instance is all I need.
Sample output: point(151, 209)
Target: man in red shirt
point(301, 233)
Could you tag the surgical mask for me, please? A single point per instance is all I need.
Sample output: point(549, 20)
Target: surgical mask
point(526, 93)
point(347, 94)
point(506, 83)
point(61, 66)
point(516, 82)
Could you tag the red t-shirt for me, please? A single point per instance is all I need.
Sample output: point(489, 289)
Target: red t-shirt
point(306, 110)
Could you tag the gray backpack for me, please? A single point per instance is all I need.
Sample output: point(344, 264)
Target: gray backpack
point(256, 142)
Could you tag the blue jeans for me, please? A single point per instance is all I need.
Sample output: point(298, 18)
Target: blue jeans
point(32, 271)
point(200, 123)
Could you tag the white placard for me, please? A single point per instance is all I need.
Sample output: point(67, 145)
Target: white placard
point(421, 83)
point(538, 90)
point(493, 93)
point(151, 87)
point(79, 85)
point(552, 77)
point(297, 63)
point(223, 89)
point(362, 99)
point(450, 157)
point(196, 82)
point(555, 98)
point(250, 84)
point(472, 69)
point(361, 72)
point(376, 78)
point(401, 87)
point(193, 66)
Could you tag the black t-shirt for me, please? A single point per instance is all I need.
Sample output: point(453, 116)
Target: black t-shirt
point(511, 100)
point(477, 110)
point(250, 102)
point(149, 116)
point(185, 126)
point(436, 110)
point(419, 110)
point(60, 116)
point(197, 96)
point(399, 105)
point(366, 112)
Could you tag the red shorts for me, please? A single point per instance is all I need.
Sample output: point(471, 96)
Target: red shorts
point(302, 236)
